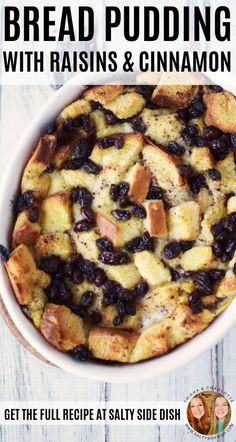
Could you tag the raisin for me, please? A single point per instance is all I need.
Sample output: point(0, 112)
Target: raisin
point(195, 302)
point(172, 250)
point(51, 128)
point(4, 254)
point(139, 211)
point(196, 182)
point(190, 130)
point(175, 148)
point(111, 287)
point(217, 230)
point(155, 193)
point(175, 275)
point(86, 266)
point(114, 192)
point(83, 226)
point(113, 258)
point(26, 201)
point(215, 88)
point(86, 299)
point(65, 134)
point(140, 243)
point(200, 141)
point(86, 123)
point(219, 148)
point(230, 246)
point(217, 274)
point(218, 248)
point(58, 292)
point(118, 320)
point(94, 316)
point(141, 288)
point(82, 149)
point(33, 214)
point(186, 171)
point(184, 114)
point(145, 91)
point(96, 105)
point(233, 140)
point(104, 244)
point(81, 353)
point(49, 169)
point(120, 307)
point(110, 118)
point(198, 105)
point(50, 264)
point(214, 174)
point(73, 164)
point(77, 276)
point(203, 282)
point(124, 201)
point(212, 133)
point(90, 167)
point(130, 309)
point(82, 196)
point(88, 214)
point(123, 188)
point(127, 296)
point(186, 245)
point(100, 277)
point(139, 126)
point(110, 141)
point(121, 215)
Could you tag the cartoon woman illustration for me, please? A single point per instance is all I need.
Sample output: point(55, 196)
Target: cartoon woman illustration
point(221, 414)
point(198, 414)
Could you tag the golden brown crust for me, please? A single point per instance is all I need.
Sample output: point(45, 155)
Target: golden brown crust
point(107, 228)
point(24, 231)
point(139, 183)
point(156, 219)
point(103, 94)
point(62, 328)
point(111, 344)
point(24, 276)
point(221, 111)
point(173, 96)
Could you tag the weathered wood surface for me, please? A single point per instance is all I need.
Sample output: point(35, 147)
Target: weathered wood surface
point(25, 377)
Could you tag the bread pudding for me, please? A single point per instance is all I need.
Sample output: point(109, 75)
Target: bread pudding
point(124, 238)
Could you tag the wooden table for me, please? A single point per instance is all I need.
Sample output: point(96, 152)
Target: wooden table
point(24, 377)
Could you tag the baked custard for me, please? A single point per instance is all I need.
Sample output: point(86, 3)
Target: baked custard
point(124, 242)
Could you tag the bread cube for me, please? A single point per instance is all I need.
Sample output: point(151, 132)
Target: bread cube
point(151, 268)
point(36, 307)
point(127, 275)
point(24, 231)
point(163, 167)
point(198, 258)
point(139, 183)
point(62, 154)
point(184, 221)
point(161, 128)
point(85, 243)
point(156, 219)
point(119, 159)
point(57, 182)
point(231, 204)
point(152, 342)
point(62, 328)
point(74, 110)
point(204, 199)
point(130, 322)
point(103, 94)
point(126, 105)
point(57, 244)
point(174, 95)
point(33, 177)
point(103, 129)
point(184, 325)
point(228, 173)
point(201, 159)
point(56, 213)
point(221, 111)
point(212, 215)
point(118, 232)
point(75, 178)
point(24, 276)
point(111, 344)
